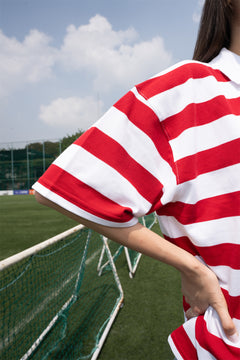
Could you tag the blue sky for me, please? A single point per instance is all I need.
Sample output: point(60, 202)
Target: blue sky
point(64, 62)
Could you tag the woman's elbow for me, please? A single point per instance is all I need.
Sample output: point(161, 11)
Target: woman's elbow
point(41, 199)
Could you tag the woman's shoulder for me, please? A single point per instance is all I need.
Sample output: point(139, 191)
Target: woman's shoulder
point(186, 67)
point(177, 75)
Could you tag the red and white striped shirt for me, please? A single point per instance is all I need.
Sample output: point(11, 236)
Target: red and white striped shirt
point(170, 145)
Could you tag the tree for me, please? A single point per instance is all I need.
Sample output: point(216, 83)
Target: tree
point(69, 139)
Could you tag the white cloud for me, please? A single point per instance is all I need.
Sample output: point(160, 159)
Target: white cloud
point(109, 60)
point(29, 61)
point(71, 113)
point(86, 45)
point(132, 64)
point(113, 57)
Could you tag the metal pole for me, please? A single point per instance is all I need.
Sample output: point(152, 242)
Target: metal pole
point(28, 172)
point(43, 152)
point(60, 147)
point(12, 168)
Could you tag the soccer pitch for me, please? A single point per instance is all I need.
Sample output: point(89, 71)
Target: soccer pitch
point(151, 309)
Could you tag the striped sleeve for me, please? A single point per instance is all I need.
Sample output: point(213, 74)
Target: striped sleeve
point(115, 172)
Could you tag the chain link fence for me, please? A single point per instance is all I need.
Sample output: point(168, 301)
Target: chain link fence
point(21, 164)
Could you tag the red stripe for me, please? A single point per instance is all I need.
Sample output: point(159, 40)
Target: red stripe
point(184, 344)
point(184, 243)
point(146, 120)
point(233, 304)
point(215, 255)
point(217, 207)
point(112, 153)
point(177, 77)
point(200, 114)
point(213, 344)
point(222, 254)
point(209, 160)
point(83, 196)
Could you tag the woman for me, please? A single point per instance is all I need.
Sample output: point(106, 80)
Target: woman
point(171, 145)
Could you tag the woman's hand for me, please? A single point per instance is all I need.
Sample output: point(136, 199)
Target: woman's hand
point(201, 289)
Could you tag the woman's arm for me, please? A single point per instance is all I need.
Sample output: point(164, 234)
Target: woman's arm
point(199, 284)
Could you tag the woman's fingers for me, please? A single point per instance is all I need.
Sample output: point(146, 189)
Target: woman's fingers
point(227, 323)
point(190, 313)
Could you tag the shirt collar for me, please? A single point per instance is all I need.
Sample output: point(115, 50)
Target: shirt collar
point(228, 63)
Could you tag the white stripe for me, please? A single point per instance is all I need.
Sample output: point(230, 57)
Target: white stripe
point(94, 172)
point(215, 183)
point(214, 326)
point(78, 211)
point(174, 349)
point(189, 327)
point(228, 279)
point(176, 99)
point(204, 354)
point(207, 233)
point(139, 146)
point(204, 137)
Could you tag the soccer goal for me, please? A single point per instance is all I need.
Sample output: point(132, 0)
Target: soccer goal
point(132, 257)
point(53, 303)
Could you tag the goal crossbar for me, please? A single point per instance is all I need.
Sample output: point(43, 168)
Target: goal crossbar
point(11, 260)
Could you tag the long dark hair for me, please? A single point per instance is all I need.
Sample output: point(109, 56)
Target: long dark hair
point(214, 30)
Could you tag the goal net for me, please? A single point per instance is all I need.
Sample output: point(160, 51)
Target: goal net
point(132, 257)
point(53, 303)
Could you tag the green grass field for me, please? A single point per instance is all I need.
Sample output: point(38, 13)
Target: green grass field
point(24, 223)
point(152, 300)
